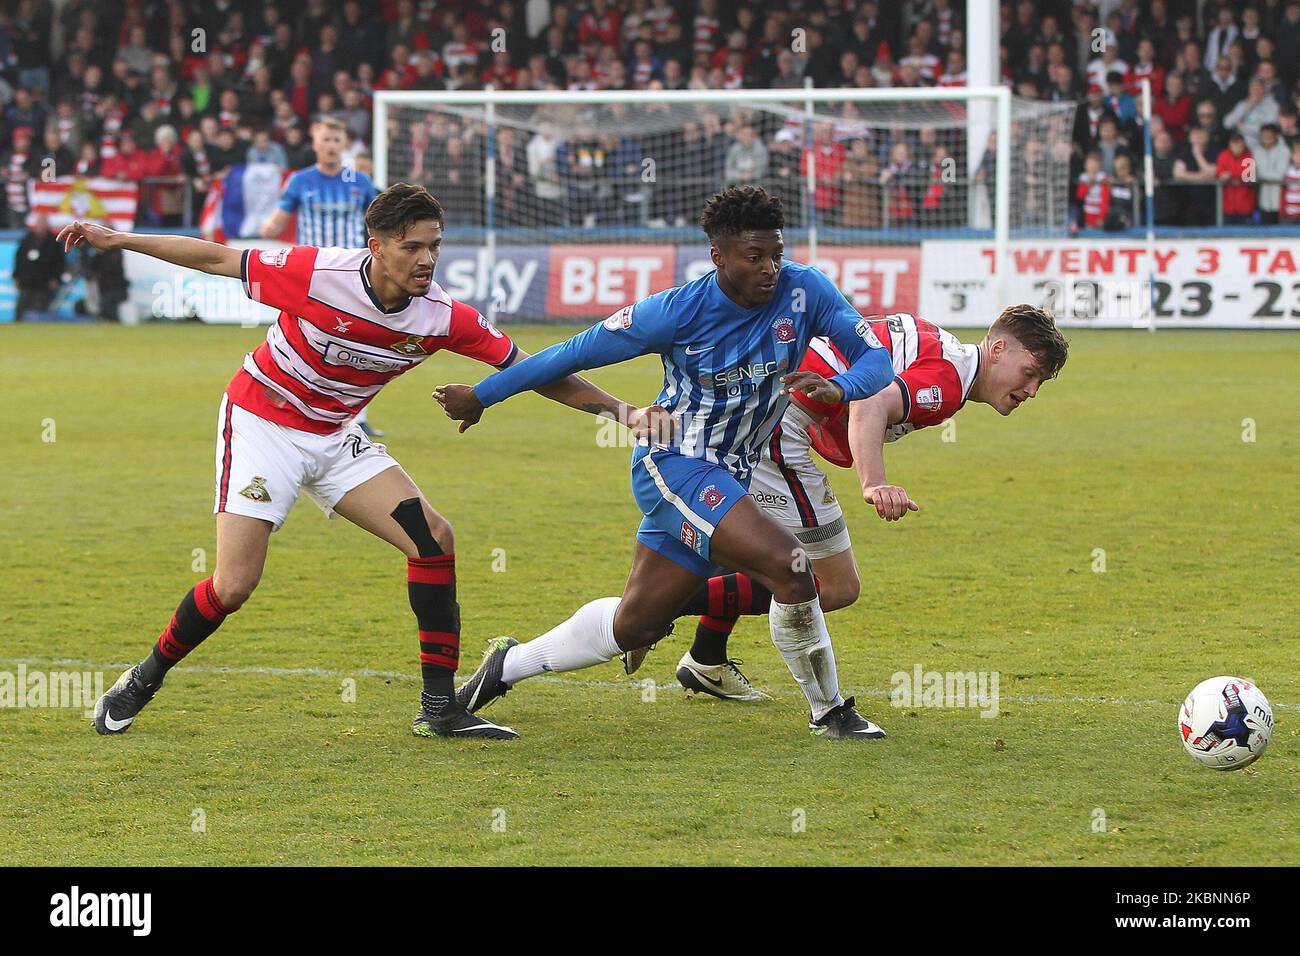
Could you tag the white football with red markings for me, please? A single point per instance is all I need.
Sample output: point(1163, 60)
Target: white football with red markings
point(1225, 723)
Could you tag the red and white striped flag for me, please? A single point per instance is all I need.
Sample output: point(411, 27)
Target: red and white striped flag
point(107, 201)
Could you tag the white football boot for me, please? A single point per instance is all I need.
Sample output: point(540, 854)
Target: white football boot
point(724, 681)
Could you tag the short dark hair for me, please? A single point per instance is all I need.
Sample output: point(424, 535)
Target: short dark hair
point(1036, 330)
point(740, 208)
point(398, 207)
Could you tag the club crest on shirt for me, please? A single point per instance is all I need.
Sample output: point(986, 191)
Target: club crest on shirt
point(783, 329)
point(275, 258)
point(930, 397)
point(256, 490)
point(340, 325)
point(411, 345)
point(622, 319)
point(712, 497)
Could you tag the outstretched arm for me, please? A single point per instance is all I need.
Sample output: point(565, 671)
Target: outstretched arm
point(603, 344)
point(574, 391)
point(868, 419)
point(210, 257)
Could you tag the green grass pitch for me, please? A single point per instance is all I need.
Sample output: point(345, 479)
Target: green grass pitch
point(252, 753)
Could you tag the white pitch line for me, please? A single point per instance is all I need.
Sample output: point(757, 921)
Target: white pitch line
point(632, 684)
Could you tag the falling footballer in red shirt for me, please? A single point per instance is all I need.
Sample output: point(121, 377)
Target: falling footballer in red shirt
point(935, 376)
point(351, 320)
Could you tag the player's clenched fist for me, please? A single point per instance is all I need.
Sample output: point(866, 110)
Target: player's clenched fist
point(460, 403)
point(94, 235)
point(891, 501)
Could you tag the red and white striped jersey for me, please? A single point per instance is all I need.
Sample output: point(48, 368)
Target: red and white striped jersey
point(944, 21)
point(704, 34)
point(660, 16)
point(1291, 194)
point(927, 65)
point(643, 71)
point(456, 55)
point(16, 177)
point(933, 370)
point(1095, 196)
point(335, 345)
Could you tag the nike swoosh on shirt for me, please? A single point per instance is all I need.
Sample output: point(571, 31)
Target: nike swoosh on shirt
point(691, 351)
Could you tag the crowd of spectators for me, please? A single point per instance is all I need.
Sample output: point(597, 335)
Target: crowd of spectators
point(169, 92)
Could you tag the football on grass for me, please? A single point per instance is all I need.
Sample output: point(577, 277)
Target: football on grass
point(1225, 723)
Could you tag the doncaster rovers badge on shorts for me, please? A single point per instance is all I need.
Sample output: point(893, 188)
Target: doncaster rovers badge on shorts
point(256, 490)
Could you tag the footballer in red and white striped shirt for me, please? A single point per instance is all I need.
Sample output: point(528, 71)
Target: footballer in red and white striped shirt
point(335, 345)
point(351, 320)
point(935, 376)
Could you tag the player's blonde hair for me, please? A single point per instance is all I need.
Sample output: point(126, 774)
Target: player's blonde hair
point(329, 122)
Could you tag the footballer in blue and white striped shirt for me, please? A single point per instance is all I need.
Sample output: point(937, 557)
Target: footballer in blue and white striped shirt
point(331, 203)
point(731, 343)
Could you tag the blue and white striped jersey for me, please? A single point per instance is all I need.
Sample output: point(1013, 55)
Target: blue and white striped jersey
point(331, 209)
point(722, 362)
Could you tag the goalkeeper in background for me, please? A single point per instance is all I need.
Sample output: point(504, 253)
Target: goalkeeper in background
point(331, 204)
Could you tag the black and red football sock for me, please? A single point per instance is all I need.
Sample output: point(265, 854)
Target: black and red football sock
point(711, 635)
point(198, 615)
point(720, 602)
point(431, 585)
point(731, 595)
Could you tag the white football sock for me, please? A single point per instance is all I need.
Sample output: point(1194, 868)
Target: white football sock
point(799, 633)
point(585, 639)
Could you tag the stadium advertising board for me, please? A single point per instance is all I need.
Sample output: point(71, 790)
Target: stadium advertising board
point(585, 282)
point(520, 276)
point(591, 281)
point(1220, 283)
point(876, 279)
point(1223, 283)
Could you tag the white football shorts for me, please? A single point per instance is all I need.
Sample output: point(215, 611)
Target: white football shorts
point(792, 489)
point(262, 466)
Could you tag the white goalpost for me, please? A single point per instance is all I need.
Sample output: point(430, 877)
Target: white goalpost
point(564, 206)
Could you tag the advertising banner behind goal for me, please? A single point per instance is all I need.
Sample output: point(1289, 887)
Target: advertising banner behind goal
point(1105, 283)
point(585, 282)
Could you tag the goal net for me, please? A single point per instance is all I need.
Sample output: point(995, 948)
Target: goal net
point(567, 206)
